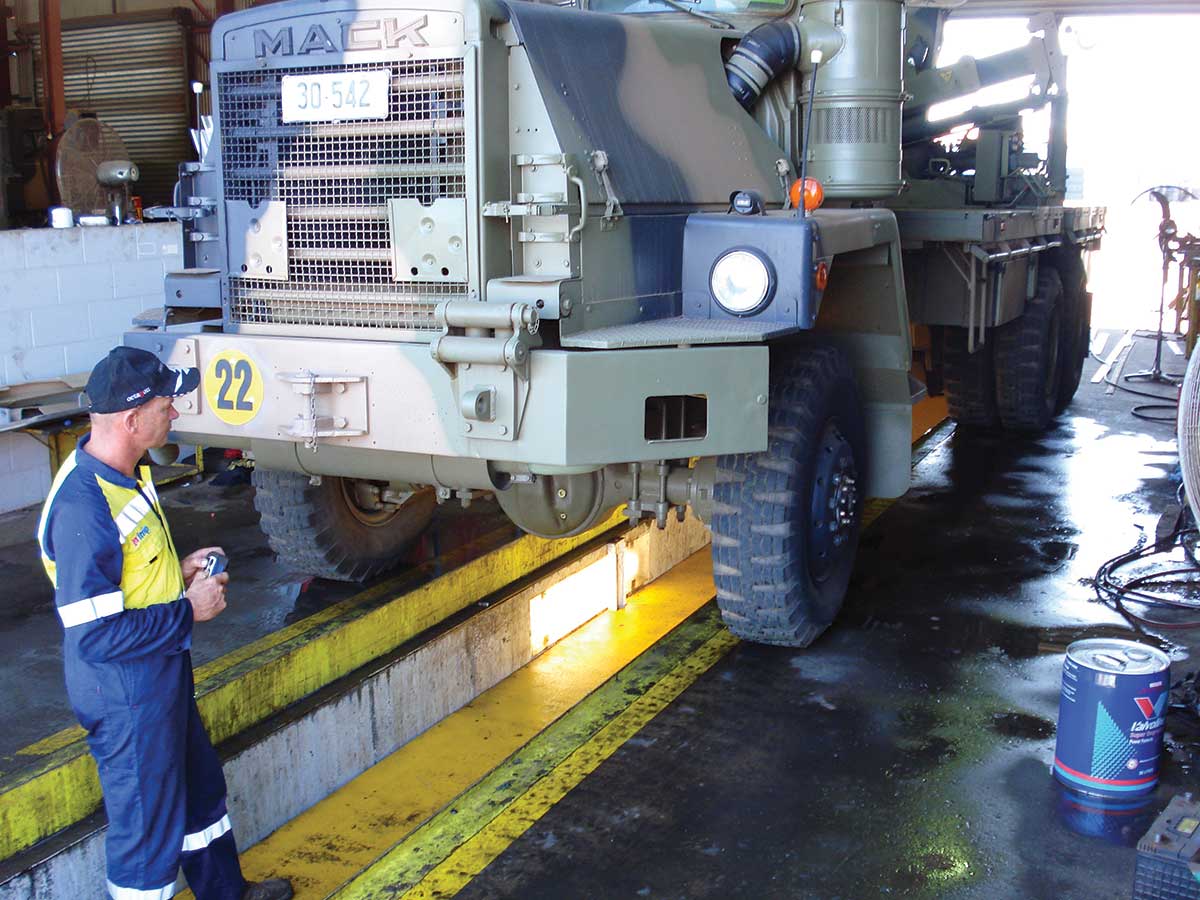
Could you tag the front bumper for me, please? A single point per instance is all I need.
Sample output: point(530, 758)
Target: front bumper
point(565, 409)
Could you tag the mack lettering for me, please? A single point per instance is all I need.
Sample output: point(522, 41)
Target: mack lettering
point(361, 34)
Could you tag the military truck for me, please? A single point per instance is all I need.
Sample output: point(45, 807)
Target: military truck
point(572, 258)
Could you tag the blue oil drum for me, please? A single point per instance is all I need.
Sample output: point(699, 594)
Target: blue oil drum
point(1110, 717)
point(1121, 822)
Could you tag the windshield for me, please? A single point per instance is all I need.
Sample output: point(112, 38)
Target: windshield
point(765, 8)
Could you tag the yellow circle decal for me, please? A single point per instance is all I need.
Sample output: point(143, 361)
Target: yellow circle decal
point(233, 387)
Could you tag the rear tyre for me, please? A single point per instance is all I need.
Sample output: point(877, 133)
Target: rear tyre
point(970, 380)
point(322, 530)
point(1028, 359)
point(786, 521)
point(1075, 337)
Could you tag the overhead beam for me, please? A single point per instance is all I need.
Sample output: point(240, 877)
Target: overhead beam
point(982, 8)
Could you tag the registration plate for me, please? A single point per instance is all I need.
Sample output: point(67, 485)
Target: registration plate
point(336, 96)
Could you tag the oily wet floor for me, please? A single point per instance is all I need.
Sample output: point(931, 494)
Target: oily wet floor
point(907, 752)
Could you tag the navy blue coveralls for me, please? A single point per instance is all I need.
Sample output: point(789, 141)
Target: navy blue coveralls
point(127, 639)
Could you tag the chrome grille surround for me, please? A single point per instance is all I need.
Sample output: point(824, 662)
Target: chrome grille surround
point(336, 179)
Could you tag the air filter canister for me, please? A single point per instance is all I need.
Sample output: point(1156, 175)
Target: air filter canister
point(1110, 717)
point(854, 150)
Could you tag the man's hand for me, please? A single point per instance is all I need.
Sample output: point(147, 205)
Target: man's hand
point(207, 596)
point(194, 562)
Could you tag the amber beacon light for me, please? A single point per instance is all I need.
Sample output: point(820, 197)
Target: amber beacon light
point(810, 190)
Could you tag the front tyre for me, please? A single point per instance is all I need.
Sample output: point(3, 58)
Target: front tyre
point(327, 530)
point(786, 521)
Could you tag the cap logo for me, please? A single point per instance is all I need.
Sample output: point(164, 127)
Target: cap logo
point(138, 395)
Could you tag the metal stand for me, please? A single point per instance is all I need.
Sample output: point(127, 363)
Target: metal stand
point(1155, 373)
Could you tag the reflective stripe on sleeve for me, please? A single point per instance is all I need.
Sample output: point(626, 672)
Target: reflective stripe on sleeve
point(91, 609)
point(128, 518)
point(117, 892)
point(198, 840)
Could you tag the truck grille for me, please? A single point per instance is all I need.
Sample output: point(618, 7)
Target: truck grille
point(336, 179)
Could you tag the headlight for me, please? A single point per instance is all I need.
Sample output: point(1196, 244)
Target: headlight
point(741, 282)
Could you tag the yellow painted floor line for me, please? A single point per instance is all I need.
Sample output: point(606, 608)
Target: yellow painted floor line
point(456, 871)
point(330, 843)
point(410, 861)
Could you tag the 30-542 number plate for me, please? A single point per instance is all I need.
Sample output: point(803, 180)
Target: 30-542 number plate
point(336, 96)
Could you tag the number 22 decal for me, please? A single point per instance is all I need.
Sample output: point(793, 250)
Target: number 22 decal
point(233, 387)
point(227, 374)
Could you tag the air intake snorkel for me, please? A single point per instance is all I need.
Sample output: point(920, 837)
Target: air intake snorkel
point(769, 50)
point(760, 57)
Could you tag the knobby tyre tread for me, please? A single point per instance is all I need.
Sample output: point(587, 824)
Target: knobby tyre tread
point(1027, 354)
point(761, 511)
point(970, 380)
point(313, 532)
point(1076, 331)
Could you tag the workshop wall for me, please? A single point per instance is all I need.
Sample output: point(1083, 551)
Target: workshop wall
point(66, 297)
point(24, 471)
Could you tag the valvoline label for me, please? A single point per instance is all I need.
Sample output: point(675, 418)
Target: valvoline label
point(1110, 717)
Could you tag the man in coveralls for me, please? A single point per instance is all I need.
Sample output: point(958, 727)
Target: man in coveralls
point(127, 606)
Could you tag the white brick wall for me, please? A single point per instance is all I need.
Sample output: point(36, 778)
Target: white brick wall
point(24, 471)
point(66, 296)
point(65, 292)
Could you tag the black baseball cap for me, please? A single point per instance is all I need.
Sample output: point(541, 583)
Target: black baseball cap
point(128, 377)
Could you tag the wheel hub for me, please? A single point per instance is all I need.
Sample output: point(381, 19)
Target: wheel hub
point(846, 499)
point(372, 504)
point(834, 511)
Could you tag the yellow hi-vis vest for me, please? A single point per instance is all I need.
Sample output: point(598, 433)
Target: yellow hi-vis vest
point(150, 571)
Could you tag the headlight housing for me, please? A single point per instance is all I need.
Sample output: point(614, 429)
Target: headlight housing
point(742, 282)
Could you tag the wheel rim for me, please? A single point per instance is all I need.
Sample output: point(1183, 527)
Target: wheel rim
point(372, 518)
point(833, 515)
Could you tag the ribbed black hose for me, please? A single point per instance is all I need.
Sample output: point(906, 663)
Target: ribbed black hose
point(759, 57)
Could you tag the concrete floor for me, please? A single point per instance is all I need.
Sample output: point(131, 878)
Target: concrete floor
point(907, 752)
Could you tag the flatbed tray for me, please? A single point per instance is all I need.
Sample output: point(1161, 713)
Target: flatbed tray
point(991, 226)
